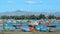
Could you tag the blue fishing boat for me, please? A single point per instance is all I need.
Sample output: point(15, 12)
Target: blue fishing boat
point(41, 27)
point(1, 27)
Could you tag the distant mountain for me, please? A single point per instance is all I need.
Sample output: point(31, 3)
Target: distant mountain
point(19, 13)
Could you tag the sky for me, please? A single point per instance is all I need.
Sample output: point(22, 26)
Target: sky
point(30, 5)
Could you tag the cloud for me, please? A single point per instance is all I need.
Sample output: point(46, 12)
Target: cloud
point(21, 9)
point(41, 2)
point(25, 9)
point(30, 2)
point(34, 2)
point(10, 2)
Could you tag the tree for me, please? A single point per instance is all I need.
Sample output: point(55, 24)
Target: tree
point(3, 17)
point(22, 17)
point(42, 16)
point(32, 17)
point(58, 17)
point(51, 17)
